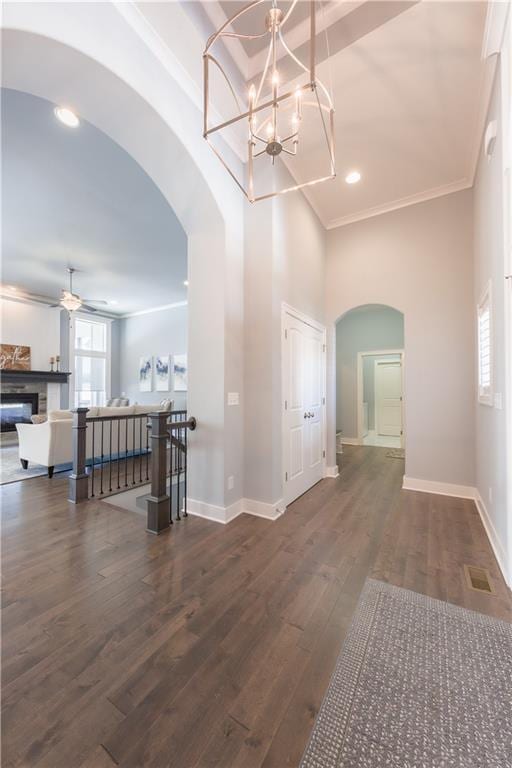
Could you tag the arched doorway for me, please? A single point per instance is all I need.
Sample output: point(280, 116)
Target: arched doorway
point(151, 119)
point(366, 379)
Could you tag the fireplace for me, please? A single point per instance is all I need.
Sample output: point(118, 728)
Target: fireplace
point(17, 408)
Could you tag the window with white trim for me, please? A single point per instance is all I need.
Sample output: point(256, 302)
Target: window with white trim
point(484, 320)
point(90, 353)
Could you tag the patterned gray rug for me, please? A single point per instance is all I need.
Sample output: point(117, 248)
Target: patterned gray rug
point(419, 683)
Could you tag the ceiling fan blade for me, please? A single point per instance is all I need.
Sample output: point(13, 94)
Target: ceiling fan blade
point(88, 308)
point(95, 301)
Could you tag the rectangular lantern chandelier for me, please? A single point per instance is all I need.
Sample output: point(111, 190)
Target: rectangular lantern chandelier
point(281, 115)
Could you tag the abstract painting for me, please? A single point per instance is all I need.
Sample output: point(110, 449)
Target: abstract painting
point(162, 373)
point(14, 357)
point(146, 374)
point(180, 373)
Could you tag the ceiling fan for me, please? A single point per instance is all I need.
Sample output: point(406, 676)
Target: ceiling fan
point(72, 301)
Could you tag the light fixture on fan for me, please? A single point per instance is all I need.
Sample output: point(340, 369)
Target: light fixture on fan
point(72, 301)
point(69, 300)
point(273, 112)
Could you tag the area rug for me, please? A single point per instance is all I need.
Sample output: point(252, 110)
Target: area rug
point(396, 453)
point(419, 683)
point(11, 470)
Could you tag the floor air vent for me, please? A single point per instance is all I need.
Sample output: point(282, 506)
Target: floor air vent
point(478, 579)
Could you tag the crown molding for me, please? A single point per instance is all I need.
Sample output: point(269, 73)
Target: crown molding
point(159, 48)
point(218, 18)
point(151, 310)
point(492, 42)
point(403, 202)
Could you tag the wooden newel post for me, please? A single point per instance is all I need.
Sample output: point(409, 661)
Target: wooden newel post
point(158, 502)
point(78, 479)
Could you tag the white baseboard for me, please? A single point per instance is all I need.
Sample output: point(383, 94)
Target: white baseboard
point(263, 509)
point(331, 471)
point(225, 515)
point(212, 512)
point(466, 492)
point(351, 440)
point(443, 489)
point(497, 547)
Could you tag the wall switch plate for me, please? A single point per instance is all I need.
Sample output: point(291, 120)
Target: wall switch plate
point(233, 398)
point(498, 401)
point(231, 483)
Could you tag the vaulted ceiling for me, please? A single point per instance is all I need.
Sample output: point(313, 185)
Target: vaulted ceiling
point(73, 197)
point(407, 81)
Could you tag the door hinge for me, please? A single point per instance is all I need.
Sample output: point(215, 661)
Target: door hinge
point(323, 454)
point(285, 333)
point(401, 431)
point(401, 398)
point(323, 400)
point(286, 405)
point(286, 476)
point(323, 347)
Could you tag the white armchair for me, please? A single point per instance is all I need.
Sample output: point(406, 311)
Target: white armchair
point(51, 443)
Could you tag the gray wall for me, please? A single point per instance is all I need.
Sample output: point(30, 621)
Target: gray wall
point(418, 260)
point(491, 443)
point(363, 329)
point(163, 332)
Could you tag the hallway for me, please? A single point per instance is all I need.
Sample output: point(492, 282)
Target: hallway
point(211, 645)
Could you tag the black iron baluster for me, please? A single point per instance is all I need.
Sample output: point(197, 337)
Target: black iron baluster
point(185, 514)
point(92, 468)
point(110, 458)
point(101, 478)
point(133, 453)
point(126, 452)
point(147, 450)
point(170, 438)
point(140, 449)
point(178, 472)
point(118, 422)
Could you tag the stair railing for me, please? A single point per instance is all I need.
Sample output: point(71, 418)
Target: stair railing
point(168, 497)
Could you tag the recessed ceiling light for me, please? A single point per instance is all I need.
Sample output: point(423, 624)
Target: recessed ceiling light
point(114, 301)
point(185, 282)
point(353, 177)
point(66, 116)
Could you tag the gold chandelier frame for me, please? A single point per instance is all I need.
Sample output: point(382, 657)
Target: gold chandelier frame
point(273, 145)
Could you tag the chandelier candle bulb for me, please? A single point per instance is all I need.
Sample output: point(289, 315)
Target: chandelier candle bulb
point(273, 103)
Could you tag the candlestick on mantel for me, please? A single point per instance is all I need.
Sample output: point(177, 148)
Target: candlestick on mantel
point(52, 361)
point(57, 361)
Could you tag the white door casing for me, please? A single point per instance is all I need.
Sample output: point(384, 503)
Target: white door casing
point(303, 403)
point(388, 397)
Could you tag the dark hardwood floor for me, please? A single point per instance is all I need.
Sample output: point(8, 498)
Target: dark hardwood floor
point(210, 645)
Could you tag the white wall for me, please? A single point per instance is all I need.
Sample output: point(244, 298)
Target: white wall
point(34, 326)
point(492, 463)
point(362, 330)
point(419, 261)
point(157, 120)
point(284, 262)
point(163, 332)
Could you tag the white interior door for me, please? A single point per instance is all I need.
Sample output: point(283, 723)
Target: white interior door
point(388, 397)
point(303, 384)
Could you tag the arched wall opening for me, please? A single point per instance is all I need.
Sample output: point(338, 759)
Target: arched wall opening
point(369, 368)
point(151, 119)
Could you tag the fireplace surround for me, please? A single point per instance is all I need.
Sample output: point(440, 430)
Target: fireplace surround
point(17, 407)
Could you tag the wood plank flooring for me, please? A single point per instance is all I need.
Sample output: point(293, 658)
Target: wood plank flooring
point(210, 645)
